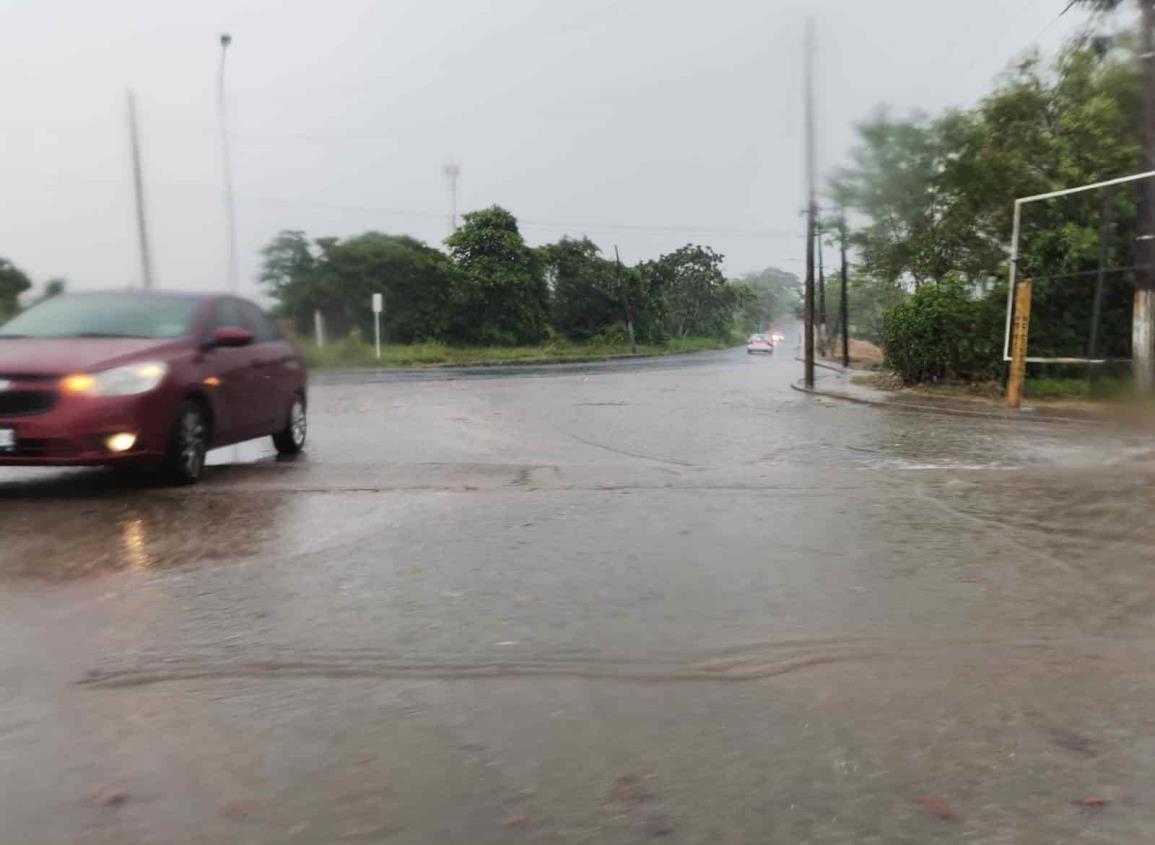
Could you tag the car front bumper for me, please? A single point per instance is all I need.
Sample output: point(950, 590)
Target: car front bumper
point(75, 430)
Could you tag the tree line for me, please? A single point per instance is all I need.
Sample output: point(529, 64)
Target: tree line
point(14, 283)
point(491, 288)
point(930, 201)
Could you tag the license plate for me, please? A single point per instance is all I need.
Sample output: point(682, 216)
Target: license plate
point(7, 439)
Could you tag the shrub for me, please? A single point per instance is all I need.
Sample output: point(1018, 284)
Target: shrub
point(942, 332)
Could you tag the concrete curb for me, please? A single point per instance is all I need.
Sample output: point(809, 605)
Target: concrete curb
point(937, 409)
point(834, 368)
point(452, 372)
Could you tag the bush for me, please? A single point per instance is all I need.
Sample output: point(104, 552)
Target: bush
point(941, 333)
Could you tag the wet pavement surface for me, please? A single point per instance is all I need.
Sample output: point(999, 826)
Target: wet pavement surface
point(667, 601)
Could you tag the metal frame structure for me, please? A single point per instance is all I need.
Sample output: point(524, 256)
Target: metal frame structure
point(1015, 230)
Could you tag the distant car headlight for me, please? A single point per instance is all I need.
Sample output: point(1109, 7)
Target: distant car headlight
point(128, 380)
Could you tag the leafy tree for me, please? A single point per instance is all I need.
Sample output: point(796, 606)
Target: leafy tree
point(869, 299)
point(13, 282)
point(53, 287)
point(504, 298)
point(774, 295)
point(910, 184)
point(589, 292)
point(689, 292)
point(288, 270)
point(339, 277)
point(932, 198)
point(417, 282)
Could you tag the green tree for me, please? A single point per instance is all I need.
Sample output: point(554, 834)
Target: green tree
point(774, 295)
point(589, 292)
point(13, 282)
point(914, 195)
point(869, 300)
point(689, 292)
point(339, 277)
point(288, 270)
point(931, 199)
point(504, 298)
point(53, 287)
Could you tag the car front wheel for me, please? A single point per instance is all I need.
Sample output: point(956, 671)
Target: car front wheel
point(291, 439)
point(184, 461)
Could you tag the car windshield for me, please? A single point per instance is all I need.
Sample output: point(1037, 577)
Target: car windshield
point(105, 315)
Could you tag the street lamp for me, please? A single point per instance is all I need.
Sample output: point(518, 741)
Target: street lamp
point(227, 168)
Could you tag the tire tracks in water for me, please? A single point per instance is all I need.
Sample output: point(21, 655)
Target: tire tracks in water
point(736, 664)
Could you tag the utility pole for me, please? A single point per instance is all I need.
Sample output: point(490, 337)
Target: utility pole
point(626, 303)
point(138, 186)
point(1143, 321)
point(811, 209)
point(845, 296)
point(823, 331)
point(227, 168)
point(452, 172)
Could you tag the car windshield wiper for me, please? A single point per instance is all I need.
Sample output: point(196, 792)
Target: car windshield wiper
point(12, 336)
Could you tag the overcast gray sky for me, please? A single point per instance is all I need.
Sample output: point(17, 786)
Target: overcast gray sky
point(642, 123)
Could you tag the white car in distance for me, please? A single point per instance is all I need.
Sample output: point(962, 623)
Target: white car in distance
point(760, 344)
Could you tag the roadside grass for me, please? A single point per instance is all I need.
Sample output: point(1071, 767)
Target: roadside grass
point(1105, 389)
point(1101, 389)
point(356, 354)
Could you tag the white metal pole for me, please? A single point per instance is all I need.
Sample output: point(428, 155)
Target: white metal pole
point(227, 167)
point(1119, 181)
point(1011, 279)
point(377, 332)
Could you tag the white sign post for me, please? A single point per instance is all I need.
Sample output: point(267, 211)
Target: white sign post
point(319, 328)
point(378, 307)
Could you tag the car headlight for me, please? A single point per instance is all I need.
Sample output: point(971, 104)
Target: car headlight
point(119, 381)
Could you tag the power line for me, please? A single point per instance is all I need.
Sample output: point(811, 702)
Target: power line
point(551, 225)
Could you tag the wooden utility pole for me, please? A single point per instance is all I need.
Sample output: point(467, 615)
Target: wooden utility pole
point(811, 209)
point(138, 190)
point(629, 312)
point(845, 296)
point(1020, 330)
point(823, 331)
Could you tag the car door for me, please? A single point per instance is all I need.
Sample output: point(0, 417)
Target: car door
point(232, 373)
point(272, 357)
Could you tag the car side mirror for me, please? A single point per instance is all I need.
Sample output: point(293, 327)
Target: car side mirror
point(231, 337)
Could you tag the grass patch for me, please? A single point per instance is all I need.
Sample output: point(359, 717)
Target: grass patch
point(354, 354)
point(884, 380)
point(1107, 388)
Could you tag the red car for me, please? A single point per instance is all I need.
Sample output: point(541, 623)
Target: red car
point(145, 379)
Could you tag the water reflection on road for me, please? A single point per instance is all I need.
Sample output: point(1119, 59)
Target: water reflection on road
point(602, 605)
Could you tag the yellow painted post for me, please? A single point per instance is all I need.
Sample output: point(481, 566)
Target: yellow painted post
point(1020, 329)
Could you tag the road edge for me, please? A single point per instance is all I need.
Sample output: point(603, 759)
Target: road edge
point(1006, 416)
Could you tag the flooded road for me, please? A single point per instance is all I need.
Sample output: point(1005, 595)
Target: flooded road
point(672, 601)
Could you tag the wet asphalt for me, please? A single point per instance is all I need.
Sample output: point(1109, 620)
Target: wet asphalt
point(649, 601)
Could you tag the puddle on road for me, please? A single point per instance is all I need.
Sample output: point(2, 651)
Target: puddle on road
point(63, 524)
point(57, 540)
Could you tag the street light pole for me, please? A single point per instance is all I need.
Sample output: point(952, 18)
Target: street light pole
point(138, 189)
point(811, 210)
point(845, 302)
point(227, 167)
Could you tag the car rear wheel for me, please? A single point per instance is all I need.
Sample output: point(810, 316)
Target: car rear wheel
point(184, 461)
point(291, 439)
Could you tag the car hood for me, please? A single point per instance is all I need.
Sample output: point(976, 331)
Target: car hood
point(58, 356)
